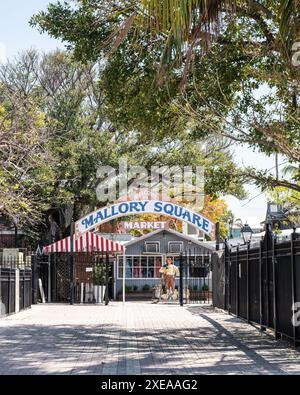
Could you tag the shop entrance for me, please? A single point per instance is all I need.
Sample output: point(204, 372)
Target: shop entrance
point(82, 271)
point(94, 270)
point(192, 282)
point(53, 277)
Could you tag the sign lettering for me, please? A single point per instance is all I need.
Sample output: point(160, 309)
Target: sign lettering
point(115, 211)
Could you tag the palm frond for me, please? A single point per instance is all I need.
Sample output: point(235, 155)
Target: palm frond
point(285, 12)
point(290, 170)
point(127, 25)
point(289, 20)
point(179, 26)
point(180, 17)
point(183, 24)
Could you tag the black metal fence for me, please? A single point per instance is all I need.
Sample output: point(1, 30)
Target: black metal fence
point(261, 283)
point(195, 282)
point(53, 275)
point(40, 279)
point(15, 284)
point(84, 281)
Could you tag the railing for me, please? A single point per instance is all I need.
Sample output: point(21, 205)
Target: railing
point(195, 283)
point(262, 284)
point(15, 284)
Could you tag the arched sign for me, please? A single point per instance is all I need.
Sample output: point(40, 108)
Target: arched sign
point(122, 209)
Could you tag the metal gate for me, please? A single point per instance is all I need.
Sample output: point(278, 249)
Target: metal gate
point(195, 278)
point(249, 290)
point(62, 276)
point(85, 266)
point(55, 273)
point(15, 283)
point(7, 290)
point(262, 283)
point(40, 272)
point(194, 283)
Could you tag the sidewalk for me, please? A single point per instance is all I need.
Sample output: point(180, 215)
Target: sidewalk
point(139, 338)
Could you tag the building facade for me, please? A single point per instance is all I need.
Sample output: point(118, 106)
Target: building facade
point(146, 255)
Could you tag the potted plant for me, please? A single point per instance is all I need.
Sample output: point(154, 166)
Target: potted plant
point(193, 290)
point(128, 288)
point(205, 292)
point(146, 288)
point(99, 283)
point(134, 292)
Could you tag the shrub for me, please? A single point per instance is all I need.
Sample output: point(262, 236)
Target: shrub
point(135, 288)
point(146, 288)
point(205, 288)
point(99, 275)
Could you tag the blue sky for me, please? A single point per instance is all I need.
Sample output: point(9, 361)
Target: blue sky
point(16, 35)
point(15, 32)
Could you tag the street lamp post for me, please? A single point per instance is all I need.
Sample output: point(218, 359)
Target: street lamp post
point(217, 231)
point(247, 233)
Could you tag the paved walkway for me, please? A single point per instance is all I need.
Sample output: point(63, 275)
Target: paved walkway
point(139, 338)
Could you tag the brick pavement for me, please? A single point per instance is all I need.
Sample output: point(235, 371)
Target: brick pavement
point(140, 338)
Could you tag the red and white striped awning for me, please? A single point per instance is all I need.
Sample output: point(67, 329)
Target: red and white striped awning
point(88, 242)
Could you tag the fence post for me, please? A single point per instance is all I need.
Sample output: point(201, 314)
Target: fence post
point(9, 286)
point(17, 290)
point(34, 280)
point(229, 280)
point(54, 286)
point(274, 287)
point(1, 312)
point(106, 279)
point(293, 280)
point(237, 281)
point(49, 278)
point(72, 296)
point(81, 292)
point(24, 287)
point(260, 285)
point(181, 280)
point(248, 283)
point(226, 275)
point(267, 275)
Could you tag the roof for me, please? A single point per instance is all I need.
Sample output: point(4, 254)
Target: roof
point(88, 242)
point(174, 232)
